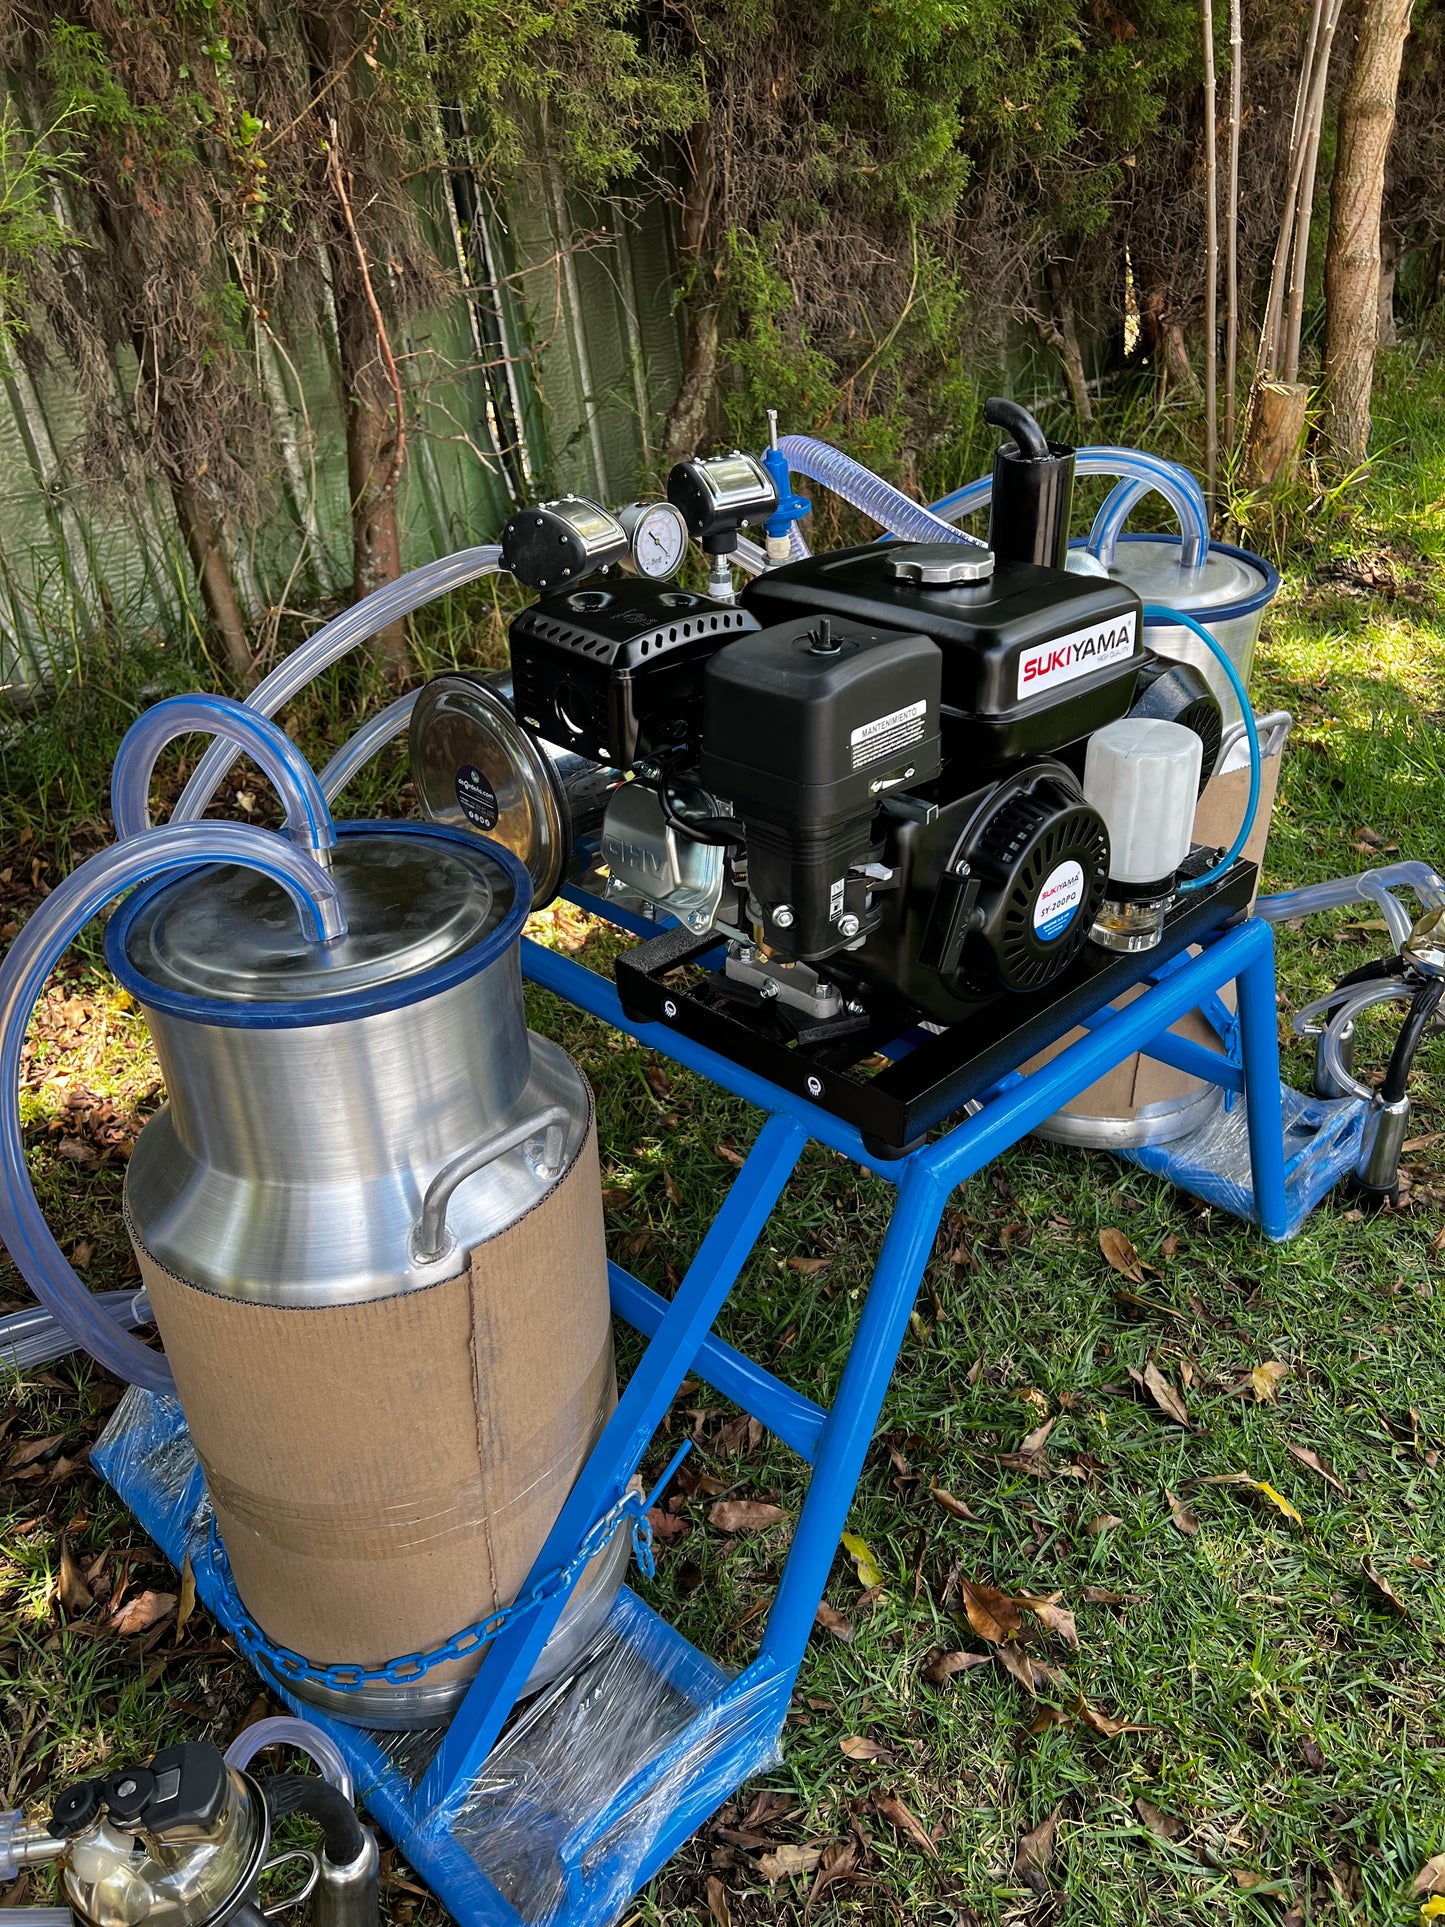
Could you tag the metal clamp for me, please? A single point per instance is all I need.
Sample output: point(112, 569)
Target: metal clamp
point(430, 1237)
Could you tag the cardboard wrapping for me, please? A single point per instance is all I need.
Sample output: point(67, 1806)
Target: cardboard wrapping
point(385, 1473)
point(1140, 1082)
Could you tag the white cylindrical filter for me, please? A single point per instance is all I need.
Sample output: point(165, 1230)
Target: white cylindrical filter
point(1142, 776)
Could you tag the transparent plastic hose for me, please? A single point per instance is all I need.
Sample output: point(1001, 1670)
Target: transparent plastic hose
point(35, 1336)
point(1419, 877)
point(345, 632)
point(308, 821)
point(1142, 474)
point(376, 731)
point(283, 1730)
point(1155, 612)
point(31, 958)
point(884, 504)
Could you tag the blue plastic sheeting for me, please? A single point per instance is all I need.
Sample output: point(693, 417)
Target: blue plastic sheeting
point(1321, 1146)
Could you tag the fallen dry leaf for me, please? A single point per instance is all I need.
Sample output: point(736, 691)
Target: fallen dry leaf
point(71, 1589)
point(832, 1621)
point(869, 1572)
point(1276, 1499)
point(991, 1613)
point(955, 1508)
point(1265, 1381)
point(1385, 1589)
point(858, 1747)
point(1038, 1438)
point(942, 1667)
point(1034, 1854)
point(809, 1267)
point(187, 1603)
point(890, 1808)
point(839, 1862)
point(1121, 1254)
point(29, 1450)
point(785, 1862)
point(1105, 1522)
point(1431, 1877)
point(141, 1612)
point(1030, 1673)
point(717, 1902)
point(1162, 1825)
point(1312, 1753)
point(1163, 1393)
point(1053, 1617)
point(1184, 1519)
point(1102, 1724)
point(729, 1155)
point(1317, 1464)
point(1101, 1596)
point(1048, 1716)
point(744, 1515)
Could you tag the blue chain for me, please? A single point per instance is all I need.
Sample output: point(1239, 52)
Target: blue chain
point(414, 1666)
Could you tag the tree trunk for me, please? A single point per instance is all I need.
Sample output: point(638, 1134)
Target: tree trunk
point(1276, 430)
point(202, 530)
point(369, 394)
point(1062, 336)
point(687, 417)
point(1352, 259)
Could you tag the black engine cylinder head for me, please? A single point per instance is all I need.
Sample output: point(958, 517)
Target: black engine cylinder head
point(1176, 692)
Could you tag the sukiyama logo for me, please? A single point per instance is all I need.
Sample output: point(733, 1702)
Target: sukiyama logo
point(1050, 663)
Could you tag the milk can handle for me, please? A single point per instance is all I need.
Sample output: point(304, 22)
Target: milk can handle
point(430, 1238)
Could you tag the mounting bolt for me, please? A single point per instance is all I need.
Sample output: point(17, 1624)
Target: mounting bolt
point(697, 920)
point(815, 1086)
point(853, 1007)
point(783, 916)
point(848, 925)
point(768, 991)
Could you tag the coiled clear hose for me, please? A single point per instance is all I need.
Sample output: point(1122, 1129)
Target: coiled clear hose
point(361, 747)
point(308, 820)
point(884, 504)
point(31, 958)
point(1369, 886)
point(1141, 474)
point(283, 1730)
point(343, 633)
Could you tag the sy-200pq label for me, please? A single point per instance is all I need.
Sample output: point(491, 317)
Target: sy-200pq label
point(1048, 664)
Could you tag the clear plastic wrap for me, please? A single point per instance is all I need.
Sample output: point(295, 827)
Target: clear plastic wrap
point(1321, 1143)
point(146, 1453)
point(598, 1771)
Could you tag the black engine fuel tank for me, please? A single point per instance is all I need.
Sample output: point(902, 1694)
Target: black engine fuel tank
point(1033, 658)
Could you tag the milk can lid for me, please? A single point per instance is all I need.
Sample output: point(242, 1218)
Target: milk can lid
point(424, 907)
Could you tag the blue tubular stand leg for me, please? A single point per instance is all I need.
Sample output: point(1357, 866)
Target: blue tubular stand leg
point(1259, 1047)
point(617, 1454)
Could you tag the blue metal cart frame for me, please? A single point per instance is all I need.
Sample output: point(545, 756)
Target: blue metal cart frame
point(712, 1755)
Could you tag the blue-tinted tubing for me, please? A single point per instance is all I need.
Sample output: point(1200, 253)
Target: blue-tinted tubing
point(31, 958)
point(345, 632)
point(884, 504)
point(1427, 884)
point(308, 820)
point(1142, 473)
point(1156, 612)
point(373, 733)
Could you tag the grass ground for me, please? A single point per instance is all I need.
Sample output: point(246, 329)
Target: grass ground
point(1281, 1677)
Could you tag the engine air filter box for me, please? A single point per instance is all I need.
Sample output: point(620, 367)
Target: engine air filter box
point(1033, 658)
point(615, 673)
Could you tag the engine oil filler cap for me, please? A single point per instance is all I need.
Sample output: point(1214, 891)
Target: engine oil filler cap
point(941, 565)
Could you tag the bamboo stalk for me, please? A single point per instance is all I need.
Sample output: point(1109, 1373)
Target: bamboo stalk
point(1211, 266)
point(1300, 259)
point(1231, 225)
point(1313, 84)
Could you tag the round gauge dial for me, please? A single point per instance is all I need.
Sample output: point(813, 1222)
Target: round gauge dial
point(658, 536)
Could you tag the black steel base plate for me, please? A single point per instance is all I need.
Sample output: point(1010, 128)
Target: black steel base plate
point(896, 1107)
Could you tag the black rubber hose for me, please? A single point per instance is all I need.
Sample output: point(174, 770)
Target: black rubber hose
point(701, 829)
point(341, 1831)
point(1000, 412)
point(1423, 1007)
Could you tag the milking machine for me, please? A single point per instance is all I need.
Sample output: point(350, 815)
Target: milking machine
point(923, 844)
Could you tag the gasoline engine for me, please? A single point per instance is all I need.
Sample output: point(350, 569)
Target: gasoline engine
point(900, 780)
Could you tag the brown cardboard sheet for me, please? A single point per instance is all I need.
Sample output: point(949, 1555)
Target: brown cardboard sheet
point(385, 1473)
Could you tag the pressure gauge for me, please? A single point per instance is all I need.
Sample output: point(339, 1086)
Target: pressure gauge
point(658, 535)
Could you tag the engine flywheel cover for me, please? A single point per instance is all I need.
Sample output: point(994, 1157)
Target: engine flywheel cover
point(1041, 855)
